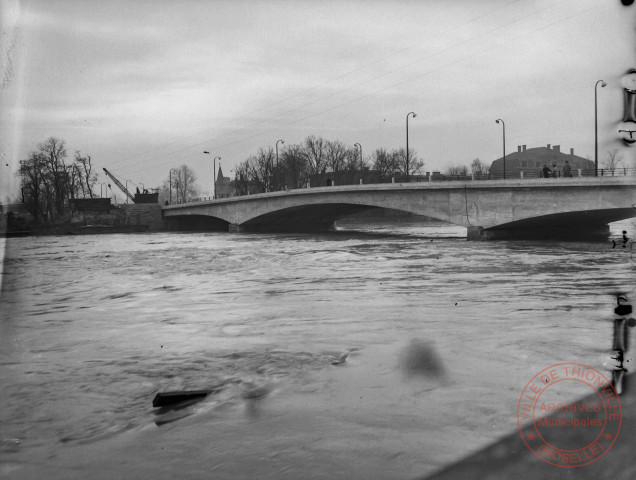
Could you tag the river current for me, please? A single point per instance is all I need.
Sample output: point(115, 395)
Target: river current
point(377, 351)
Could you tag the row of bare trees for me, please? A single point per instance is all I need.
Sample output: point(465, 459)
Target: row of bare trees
point(48, 181)
point(298, 163)
point(476, 167)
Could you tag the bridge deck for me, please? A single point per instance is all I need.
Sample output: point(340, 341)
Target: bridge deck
point(433, 185)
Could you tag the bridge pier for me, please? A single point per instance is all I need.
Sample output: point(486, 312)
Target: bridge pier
point(476, 233)
point(235, 228)
point(596, 233)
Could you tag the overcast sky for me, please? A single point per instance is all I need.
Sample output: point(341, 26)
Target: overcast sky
point(143, 86)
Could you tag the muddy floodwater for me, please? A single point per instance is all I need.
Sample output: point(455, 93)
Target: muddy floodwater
point(390, 351)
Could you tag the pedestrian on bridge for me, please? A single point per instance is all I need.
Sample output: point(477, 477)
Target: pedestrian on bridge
point(545, 172)
point(567, 170)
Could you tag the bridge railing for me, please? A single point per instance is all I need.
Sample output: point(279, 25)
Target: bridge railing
point(617, 172)
point(523, 174)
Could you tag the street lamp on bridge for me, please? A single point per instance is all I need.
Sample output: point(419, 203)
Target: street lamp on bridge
point(603, 84)
point(170, 186)
point(407, 143)
point(277, 169)
point(360, 147)
point(213, 173)
point(504, 145)
point(214, 168)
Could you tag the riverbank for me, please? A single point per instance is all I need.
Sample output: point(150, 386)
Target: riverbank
point(125, 218)
point(510, 458)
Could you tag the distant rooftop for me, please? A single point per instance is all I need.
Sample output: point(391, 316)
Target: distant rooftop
point(531, 159)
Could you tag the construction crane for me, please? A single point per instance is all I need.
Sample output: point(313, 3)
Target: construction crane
point(120, 185)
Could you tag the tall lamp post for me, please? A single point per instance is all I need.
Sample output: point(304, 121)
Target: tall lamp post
point(277, 169)
point(504, 145)
point(360, 147)
point(214, 167)
point(213, 174)
point(603, 84)
point(170, 182)
point(407, 143)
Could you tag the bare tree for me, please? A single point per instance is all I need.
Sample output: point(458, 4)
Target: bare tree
point(314, 151)
point(184, 183)
point(74, 178)
point(461, 170)
point(47, 183)
point(53, 153)
point(477, 167)
point(261, 168)
point(612, 160)
point(87, 178)
point(242, 181)
point(335, 155)
point(352, 161)
point(384, 162)
point(416, 166)
point(294, 166)
point(32, 186)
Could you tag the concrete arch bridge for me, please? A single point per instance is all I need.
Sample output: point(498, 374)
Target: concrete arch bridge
point(491, 209)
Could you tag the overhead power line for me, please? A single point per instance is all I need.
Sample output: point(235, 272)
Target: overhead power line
point(322, 99)
point(269, 106)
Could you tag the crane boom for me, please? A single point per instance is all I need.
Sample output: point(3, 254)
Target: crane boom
point(119, 184)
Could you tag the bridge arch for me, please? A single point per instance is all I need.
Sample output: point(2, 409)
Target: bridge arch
point(570, 225)
point(310, 217)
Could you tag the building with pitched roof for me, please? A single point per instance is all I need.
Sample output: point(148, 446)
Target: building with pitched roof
point(530, 161)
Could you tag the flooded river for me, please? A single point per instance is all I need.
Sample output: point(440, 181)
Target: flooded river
point(386, 352)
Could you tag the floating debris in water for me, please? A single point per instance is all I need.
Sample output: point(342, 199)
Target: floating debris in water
point(339, 360)
point(165, 399)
